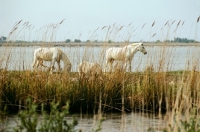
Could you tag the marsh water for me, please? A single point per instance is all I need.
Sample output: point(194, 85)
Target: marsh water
point(168, 57)
point(132, 122)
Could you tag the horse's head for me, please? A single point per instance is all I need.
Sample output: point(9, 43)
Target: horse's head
point(142, 49)
point(69, 66)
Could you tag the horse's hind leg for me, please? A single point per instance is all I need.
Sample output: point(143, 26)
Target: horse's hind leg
point(129, 66)
point(34, 63)
point(106, 66)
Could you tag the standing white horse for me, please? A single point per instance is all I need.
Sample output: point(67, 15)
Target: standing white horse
point(89, 69)
point(52, 54)
point(124, 54)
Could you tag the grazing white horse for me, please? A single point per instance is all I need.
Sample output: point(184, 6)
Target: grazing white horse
point(52, 54)
point(89, 69)
point(124, 54)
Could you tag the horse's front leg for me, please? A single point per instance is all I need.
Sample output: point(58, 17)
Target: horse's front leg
point(111, 66)
point(127, 61)
point(41, 63)
point(59, 69)
point(106, 66)
point(52, 65)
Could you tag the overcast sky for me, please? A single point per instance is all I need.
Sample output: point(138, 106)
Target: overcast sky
point(83, 17)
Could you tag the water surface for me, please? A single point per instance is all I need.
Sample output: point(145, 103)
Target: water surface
point(114, 122)
point(168, 58)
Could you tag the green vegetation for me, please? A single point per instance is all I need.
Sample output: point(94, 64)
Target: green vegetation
point(67, 41)
point(77, 40)
point(29, 119)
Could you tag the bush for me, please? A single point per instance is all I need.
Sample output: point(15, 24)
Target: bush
point(77, 41)
point(67, 41)
point(55, 121)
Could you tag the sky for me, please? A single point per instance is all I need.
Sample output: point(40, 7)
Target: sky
point(85, 19)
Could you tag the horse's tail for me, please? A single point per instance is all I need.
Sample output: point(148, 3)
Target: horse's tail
point(34, 59)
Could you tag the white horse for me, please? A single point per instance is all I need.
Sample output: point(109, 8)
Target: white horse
point(124, 54)
point(52, 54)
point(89, 69)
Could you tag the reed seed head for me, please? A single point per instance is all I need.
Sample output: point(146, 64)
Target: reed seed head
point(19, 22)
point(121, 27)
point(198, 19)
point(153, 35)
point(183, 23)
point(24, 23)
point(166, 22)
point(62, 21)
point(173, 22)
point(103, 27)
point(143, 25)
point(178, 23)
point(153, 24)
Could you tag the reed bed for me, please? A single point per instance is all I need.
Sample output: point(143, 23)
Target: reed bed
point(146, 91)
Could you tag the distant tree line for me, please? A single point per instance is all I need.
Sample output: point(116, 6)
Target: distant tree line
point(179, 40)
point(75, 41)
point(184, 40)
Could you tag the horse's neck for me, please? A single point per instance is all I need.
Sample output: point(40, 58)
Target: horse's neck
point(65, 59)
point(130, 47)
point(133, 49)
point(125, 48)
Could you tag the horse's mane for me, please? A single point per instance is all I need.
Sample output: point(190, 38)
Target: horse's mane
point(135, 44)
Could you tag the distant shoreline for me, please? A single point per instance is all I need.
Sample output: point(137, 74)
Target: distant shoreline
point(54, 44)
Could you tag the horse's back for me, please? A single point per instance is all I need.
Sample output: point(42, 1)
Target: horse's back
point(88, 67)
point(115, 53)
point(84, 66)
point(47, 53)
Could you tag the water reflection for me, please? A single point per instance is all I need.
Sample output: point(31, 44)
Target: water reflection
point(133, 122)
